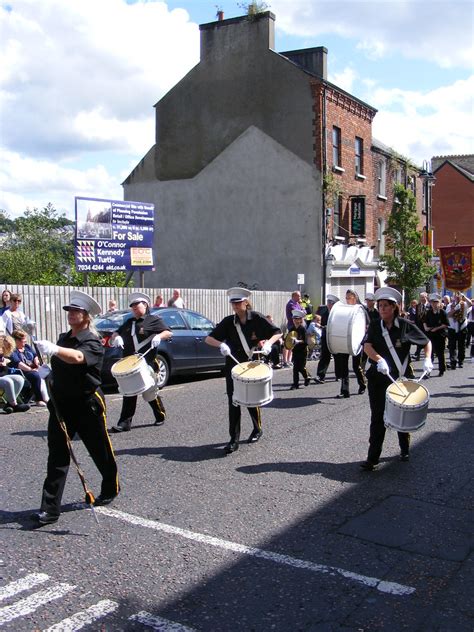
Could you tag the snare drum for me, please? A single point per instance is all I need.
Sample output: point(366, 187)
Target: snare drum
point(252, 384)
point(407, 412)
point(346, 328)
point(133, 375)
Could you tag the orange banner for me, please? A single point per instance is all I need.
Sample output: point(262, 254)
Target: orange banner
point(456, 265)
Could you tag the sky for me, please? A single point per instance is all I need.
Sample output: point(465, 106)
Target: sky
point(79, 79)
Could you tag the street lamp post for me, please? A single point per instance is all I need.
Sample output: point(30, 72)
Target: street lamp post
point(428, 180)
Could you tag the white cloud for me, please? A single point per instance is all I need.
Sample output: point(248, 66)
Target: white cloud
point(29, 182)
point(83, 75)
point(425, 124)
point(436, 30)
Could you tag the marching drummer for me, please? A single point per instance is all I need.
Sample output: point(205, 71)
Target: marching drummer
point(239, 335)
point(387, 346)
point(137, 335)
point(300, 346)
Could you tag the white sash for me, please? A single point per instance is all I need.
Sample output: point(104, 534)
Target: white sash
point(243, 340)
point(139, 345)
point(401, 367)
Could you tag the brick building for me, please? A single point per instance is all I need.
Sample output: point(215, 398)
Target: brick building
point(263, 170)
point(453, 200)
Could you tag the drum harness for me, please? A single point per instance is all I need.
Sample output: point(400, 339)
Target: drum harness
point(401, 367)
point(139, 345)
point(249, 351)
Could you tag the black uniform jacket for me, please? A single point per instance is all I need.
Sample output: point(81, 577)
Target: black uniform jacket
point(403, 334)
point(300, 348)
point(255, 328)
point(149, 325)
point(77, 381)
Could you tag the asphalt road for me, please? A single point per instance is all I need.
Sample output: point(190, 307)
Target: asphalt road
point(284, 535)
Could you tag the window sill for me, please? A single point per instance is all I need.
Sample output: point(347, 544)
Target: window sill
point(381, 197)
point(338, 169)
point(360, 176)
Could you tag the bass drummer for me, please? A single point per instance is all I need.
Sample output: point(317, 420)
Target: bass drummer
point(137, 335)
point(387, 346)
point(239, 335)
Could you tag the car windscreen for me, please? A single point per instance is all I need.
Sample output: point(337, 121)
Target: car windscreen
point(111, 321)
point(198, 322)
point(173, 319)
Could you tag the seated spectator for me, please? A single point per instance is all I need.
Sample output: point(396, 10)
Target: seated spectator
point(5, 302)
point(24, 358)
point(14, 318)
point(10, 383)
point(176, 300)
point(313, 337)
point(112, 306)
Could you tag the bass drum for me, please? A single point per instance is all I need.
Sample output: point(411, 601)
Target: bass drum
point(346, 328)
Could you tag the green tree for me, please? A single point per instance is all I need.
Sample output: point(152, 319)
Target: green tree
point(409, 263)
point(38, 249)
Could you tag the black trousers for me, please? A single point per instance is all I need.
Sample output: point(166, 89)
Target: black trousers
point(299, 366)
point(129, 406)
point(438, 343)
point(324, 358)
point(235, 412)
point(377, 385)
point(87, 419)
point(457, 346)
point(341, 367)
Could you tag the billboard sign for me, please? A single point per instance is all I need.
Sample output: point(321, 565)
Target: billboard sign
point(113, 235)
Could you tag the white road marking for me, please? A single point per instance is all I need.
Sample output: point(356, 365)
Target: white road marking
point(158, 623)
point(27, 582)
point(85, 617)
point(33, 602)
point(391, 588)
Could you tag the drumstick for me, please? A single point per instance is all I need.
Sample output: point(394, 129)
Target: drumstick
point(421, 376)
point(234, 359)
point(397, 385)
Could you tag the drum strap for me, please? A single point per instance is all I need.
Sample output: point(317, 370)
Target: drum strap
point(139, 345)
point(388, 341)
point(243, 340)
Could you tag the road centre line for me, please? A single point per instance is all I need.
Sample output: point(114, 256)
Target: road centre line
point(33, 602)
point(158, 623)
point(391, 588)
point(85, 617)
point(25, 583)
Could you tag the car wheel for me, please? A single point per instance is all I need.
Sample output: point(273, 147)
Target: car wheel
point(163, 370)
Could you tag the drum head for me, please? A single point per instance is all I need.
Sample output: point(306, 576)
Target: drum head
point(414, 394)
point(252, 371)
point(125, 365)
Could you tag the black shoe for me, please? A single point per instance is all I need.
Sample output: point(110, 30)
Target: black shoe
point(319, 380)
point(254, 436)
point(404, 456)
point(460, 365)
point(306, 382)
point(362, 390)
point(21, 408)
point(43, 517)
point(293, 387)
point(368, 466)
point(104, 500)
point(441, 373)
point(232, 446)
point(159, 422)
point(343, 395)
point(120, 427)
point(7, 409)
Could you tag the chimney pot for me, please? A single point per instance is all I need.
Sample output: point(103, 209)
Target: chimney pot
point(220, 15)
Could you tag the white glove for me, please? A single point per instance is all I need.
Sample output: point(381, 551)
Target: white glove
point(117, 342)
point(266, 348)
point(47, 347)
point(427, 365)
point(382, 367)
point(155, 341)
point(224, 349)
point(43, 371)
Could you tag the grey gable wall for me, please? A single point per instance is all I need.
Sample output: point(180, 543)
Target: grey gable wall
point(236, 193)
point(251, 215)
point(239, 82)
